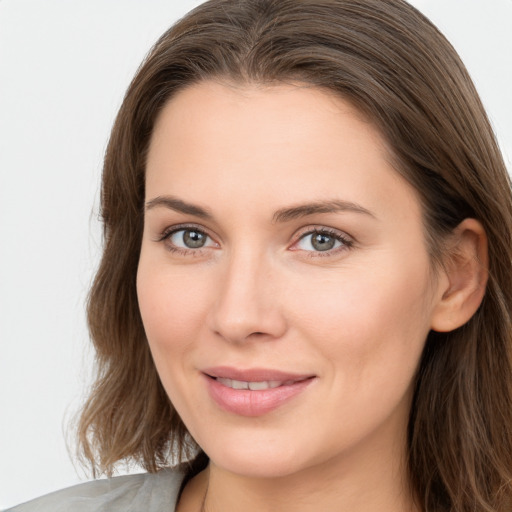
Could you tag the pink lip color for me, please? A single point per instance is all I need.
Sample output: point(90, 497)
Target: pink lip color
point(245, 402)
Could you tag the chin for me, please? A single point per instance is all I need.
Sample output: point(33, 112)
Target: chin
point(259, 458)
point(259, 467)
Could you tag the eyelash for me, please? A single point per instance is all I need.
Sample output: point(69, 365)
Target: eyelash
point(346, 242)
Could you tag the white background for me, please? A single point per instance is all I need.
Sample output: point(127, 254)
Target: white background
point(64, 67)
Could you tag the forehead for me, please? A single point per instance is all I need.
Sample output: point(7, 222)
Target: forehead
point(234, 145)
point(256, 114)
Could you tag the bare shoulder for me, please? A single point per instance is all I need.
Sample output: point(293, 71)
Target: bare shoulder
point(151, 492)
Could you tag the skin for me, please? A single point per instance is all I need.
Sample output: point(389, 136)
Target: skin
point(258, 295)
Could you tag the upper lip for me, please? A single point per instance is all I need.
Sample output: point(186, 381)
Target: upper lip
point(254, 374)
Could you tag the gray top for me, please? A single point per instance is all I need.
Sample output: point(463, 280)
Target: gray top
point(146, 492)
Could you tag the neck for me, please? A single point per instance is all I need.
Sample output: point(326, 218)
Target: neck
point(311, 490)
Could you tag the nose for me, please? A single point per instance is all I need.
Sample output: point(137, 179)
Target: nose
point(247, 305)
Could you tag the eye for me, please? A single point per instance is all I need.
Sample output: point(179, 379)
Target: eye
point(322, 240)
point(186, 239)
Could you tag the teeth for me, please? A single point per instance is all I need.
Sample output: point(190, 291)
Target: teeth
point(253, 386)
point(268, 384)
point(239, 384)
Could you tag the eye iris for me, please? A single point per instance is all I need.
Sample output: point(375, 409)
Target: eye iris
point(322, 242)
point(194, 239)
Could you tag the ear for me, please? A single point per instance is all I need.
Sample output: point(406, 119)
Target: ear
point(462, 286)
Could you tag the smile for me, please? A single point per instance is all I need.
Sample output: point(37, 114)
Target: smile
point(253, 392)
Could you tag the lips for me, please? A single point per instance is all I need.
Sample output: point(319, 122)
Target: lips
point(253, 392)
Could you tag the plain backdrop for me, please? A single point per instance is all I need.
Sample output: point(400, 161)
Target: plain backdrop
point(64, 67)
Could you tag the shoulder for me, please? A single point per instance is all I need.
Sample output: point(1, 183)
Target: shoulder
point(148, 492)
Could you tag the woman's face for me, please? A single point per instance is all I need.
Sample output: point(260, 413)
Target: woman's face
point(284, 281)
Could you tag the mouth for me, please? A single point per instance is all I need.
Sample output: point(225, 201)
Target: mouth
point(254, 392)
point(256, 385)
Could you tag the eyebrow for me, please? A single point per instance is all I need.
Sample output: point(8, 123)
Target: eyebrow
point(330, 206)
point(173, 203)
point(281, 215)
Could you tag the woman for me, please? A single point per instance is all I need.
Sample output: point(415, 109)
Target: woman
point(305, 286)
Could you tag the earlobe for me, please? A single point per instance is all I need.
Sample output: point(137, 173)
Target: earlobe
point(466, 273)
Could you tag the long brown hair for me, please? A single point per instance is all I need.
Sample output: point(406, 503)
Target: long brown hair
point(395, 66)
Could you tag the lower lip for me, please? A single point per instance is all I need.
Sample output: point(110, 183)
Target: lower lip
point(245, 402)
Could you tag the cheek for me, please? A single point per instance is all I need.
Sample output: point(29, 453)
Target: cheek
point(172, 306)
point(367, 322)
point(370, 330)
